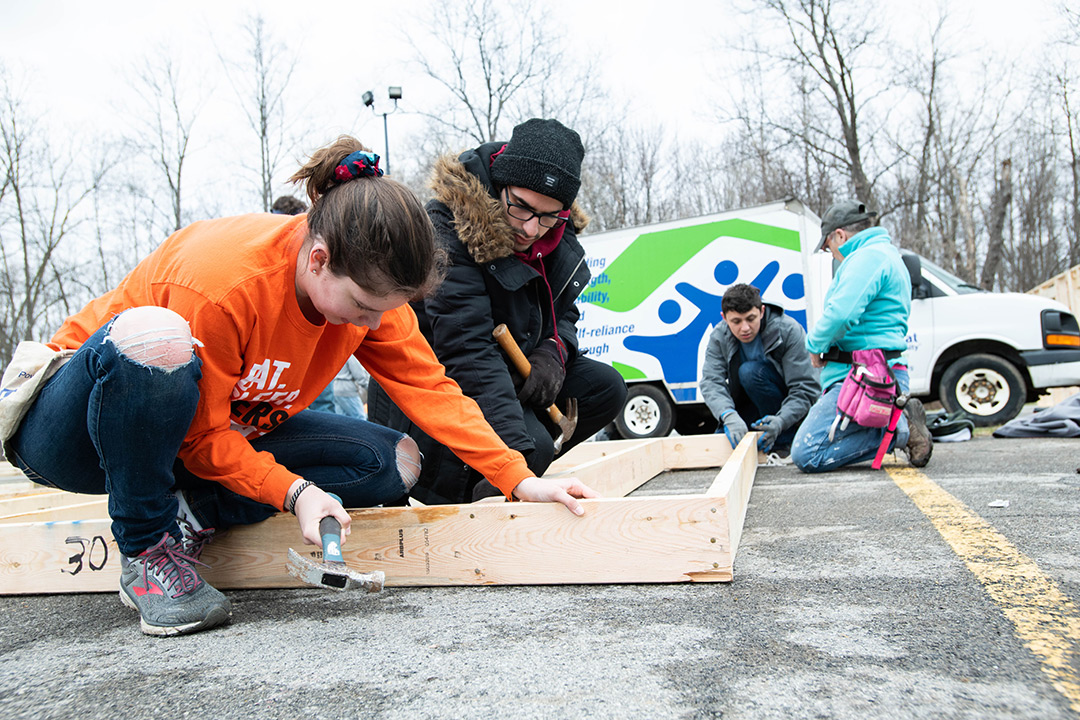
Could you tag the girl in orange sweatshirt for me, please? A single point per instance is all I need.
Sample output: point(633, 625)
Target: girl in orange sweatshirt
point(189, 382)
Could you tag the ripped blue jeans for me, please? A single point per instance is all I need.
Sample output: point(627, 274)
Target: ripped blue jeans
point(105, 423)
point(813, 452)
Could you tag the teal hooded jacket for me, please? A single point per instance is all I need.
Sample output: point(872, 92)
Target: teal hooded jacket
point(867, 304)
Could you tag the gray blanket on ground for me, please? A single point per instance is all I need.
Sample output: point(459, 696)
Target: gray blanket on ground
point(1061, 420)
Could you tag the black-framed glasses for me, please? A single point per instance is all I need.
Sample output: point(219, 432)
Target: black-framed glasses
point(525, 213)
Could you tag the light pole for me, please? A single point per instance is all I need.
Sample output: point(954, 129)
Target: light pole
point(394, 93)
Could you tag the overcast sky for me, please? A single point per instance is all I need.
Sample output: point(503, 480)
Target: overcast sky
point(661, 57)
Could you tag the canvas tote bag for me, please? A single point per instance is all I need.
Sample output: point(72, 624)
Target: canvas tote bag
point(32, 365)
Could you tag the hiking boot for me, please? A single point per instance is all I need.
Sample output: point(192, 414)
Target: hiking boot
point(163, 585)
point(920, 444)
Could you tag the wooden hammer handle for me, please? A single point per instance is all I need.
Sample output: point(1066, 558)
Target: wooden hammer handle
point(509, 345)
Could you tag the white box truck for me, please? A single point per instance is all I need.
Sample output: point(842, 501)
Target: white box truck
point(656, 291)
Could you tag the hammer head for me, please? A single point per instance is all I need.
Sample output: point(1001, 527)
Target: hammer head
point(567, 422)
point(333, 575)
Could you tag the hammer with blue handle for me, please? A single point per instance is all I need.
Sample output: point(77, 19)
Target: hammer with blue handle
point(332, 572)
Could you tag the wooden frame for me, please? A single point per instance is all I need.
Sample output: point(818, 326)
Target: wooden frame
point(55, 542)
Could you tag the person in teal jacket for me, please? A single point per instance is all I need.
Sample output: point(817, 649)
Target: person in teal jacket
point(866, 306)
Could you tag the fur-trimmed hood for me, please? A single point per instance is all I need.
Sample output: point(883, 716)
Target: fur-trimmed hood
point(463, 184)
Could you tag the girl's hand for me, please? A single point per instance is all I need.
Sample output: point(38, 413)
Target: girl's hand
point(563, 490)
point(311, 507)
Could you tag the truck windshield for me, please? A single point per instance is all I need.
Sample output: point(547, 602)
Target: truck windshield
point(947, 278)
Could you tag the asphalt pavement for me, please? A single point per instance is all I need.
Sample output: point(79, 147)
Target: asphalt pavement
point(943, 593)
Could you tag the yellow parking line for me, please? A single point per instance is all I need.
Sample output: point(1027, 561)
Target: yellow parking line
point(1046, 619)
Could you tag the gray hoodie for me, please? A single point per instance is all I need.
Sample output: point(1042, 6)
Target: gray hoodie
point(784, 343)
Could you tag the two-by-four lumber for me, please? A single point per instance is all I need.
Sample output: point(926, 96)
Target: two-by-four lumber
point(619, 540)
point(38, 499)
point(734, 482)
point(85, 507)
point(616, 468)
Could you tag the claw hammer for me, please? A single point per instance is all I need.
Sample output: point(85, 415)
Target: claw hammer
point(566, 425)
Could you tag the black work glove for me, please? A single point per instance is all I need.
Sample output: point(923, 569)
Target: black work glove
point(546, 377)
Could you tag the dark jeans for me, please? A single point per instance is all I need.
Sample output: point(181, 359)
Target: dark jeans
point(352, 458)
point(106, 424)
point(763, 392)
point(813, 452)
point(600, 392)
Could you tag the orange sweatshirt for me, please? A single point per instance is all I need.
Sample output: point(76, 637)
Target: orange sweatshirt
point(234, 281)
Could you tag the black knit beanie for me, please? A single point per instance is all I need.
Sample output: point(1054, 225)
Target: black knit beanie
point(543, 156)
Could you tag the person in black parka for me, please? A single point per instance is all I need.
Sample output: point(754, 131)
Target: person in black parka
point(505, 215)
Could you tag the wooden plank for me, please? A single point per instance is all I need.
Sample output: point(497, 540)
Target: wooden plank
point(672, 539)
point(17, 487)
point(85, 509)
point(39, 499)
point(619, 540)
point(733, 484)
point(587, 452)
point(58, 557)
point(10, 472)
point(653, 539)
point(1064, 287)
point(622, 470)
point(695, 451)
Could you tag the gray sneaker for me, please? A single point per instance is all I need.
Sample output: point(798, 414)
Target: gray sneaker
point(161, 583)
point(920, 444)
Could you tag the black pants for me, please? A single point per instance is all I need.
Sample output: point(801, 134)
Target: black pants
point(600, 392)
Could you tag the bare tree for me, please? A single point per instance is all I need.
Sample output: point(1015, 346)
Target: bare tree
point(624, 179)
point(828, 45)
point(919, 240)
point(1071, 117)
point(999, 207)
point(699, 179)
point(761, 143)
point(499, 63)
point(163, 134)
point(39, 203)
point(260, 81)
point(636, 175)
point(965, 139)
point(937, 186)
point(124, 227)
point(1071, 14)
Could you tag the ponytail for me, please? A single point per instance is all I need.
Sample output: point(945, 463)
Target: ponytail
point(375, 228)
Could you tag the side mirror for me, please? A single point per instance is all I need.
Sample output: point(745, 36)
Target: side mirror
point(913, 263)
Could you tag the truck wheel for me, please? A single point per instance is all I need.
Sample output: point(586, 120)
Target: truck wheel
point(987, 388)
point(647, 413)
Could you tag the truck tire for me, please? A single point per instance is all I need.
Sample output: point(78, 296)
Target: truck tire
point(987, 388)
point(647, 413)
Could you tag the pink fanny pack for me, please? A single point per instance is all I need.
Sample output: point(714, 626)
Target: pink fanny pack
point(870, 396)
